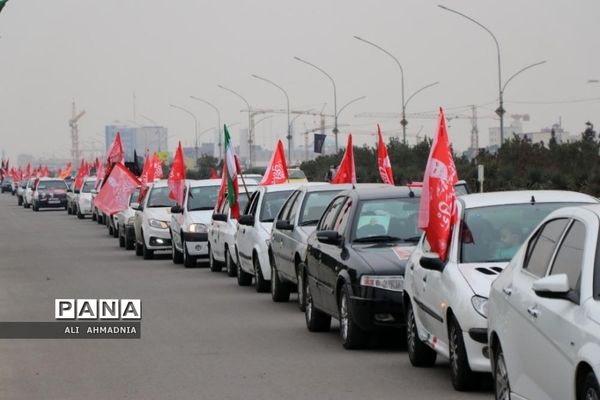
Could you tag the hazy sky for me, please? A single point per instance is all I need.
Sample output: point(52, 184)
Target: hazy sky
point(100, 52)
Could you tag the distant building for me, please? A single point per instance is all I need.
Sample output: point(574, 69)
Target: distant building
point(138, 138)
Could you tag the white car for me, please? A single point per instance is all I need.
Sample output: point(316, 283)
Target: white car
point(151, 222)
point(28, 193)
point(221, 235)
point(124, 222)
point(21, 192)
point(447, 302)
point(84, 198)
point(254, 232)
point(189, 222)
point(544, 312)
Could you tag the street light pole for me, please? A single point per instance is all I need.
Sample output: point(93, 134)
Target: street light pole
point(250, 139)
point(420, 90)
point(403, 122)
point(335, 113)
point(157, 132)
point(287, 98)
point(350, 102)
point(500, 110)
point(218, 123)
point(195, 126)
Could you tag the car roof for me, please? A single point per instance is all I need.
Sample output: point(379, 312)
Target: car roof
point(203, 182)
point(371, 191)
point(160, 183)
point(90, 178)
point(311, 187)
point(523, 196)
point(47, 178)
point(282, 187)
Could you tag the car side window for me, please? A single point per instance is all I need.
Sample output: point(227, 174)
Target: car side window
point(541, 247)
point(285, 210)
point(251, 208)
point(294, 209)
point(569, 257)
point(329, 215)
point(342, 220)
point(426, 246)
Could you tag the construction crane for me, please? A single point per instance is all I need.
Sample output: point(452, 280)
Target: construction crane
point(75, 154)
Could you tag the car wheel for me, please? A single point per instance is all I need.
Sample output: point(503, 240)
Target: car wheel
point(121, 240)
point(115, 232)
point(243, 278)
point(316, 320)
point(501, 383)
point(129, 242)
point(99, 219)
point(229, 264)
point(301, 293)
point(80, 215)
point(214, 265)
point(419, 354)
point(262, 285)
point(188, 260)
point(93, 216)
point(460, 372)
point(176, 255)
point(138, 249)
point(110, 228)
point(19, 201)
point(280, 291)
point(353, 337)
point(146, 252)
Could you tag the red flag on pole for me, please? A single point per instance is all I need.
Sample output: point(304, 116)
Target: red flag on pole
point(277, 169)
point(383, 160)
point(213, 174)
point(115, 192)
point(81, 173)
point(176, 181)
point(27, 174)
point(437, 208)
point(45, 171)
point(346, 172)
point(157, 167)
point(116, 153)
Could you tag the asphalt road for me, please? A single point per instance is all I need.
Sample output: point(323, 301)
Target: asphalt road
point(203, 337)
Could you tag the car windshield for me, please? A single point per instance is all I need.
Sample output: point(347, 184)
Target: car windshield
point(202, 198)
point(271, 204)
point(7, 180)
point(159, 197)
point(495, 233)
point(315, 204)
point(387, 220)
point(296, 174)
point(88, 186)
point(45, 185)
point(135, 196)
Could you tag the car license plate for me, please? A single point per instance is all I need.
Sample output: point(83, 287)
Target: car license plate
point(54, 201)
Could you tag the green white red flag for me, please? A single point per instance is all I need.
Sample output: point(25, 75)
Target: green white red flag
point(231, 173)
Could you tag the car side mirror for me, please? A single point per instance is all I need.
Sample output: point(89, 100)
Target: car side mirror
point(247, 219)
point(284, 225)
point(176, 209)
point(555, 287)
point(432, 262)
point(329, 237)
point(219, 217)
point(137, 207)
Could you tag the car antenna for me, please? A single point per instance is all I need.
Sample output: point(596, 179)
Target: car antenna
point(411, 194)
point(532, 200)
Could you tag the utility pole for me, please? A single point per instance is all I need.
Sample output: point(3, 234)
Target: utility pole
point(474, 129)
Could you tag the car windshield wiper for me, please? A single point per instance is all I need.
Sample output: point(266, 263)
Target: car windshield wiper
point(201, 208)
point(267, 220)
point(378, 238)
point(309, 222)
point(159, 205)
point(413, 239)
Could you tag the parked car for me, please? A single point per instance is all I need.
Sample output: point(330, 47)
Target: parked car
point(49, 193)
point(544, 312)
point(151, 221)
point(21, 191)
point(28, 192)
point(447, 301)
point(84, 198)
point(221, 235)
point(296, 175)
point(95, 211)
point(254, 232)
point(6, 185)
point(296, 220)
point(124, 222)
point(190, 221)
point(72, 193)
point(355, 259)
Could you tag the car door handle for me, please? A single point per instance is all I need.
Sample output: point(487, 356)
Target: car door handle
point(533, 312)
point(507, 290)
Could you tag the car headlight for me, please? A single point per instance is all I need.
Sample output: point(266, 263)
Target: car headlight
point(480, 304)
point(155, 223)
point(198, 228)
point(130, 220)
point(394, 283)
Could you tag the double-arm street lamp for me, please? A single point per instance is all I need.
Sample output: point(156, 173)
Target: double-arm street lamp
point(218, 123)
point(335, 113)
point(250, 139)
point(287, 98)
point(185, 110)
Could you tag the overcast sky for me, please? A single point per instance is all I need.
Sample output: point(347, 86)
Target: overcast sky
point(100, 52)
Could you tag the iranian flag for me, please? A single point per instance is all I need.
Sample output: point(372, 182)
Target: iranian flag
point(231, 176)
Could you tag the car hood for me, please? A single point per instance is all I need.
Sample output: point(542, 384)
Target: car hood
point(384, 259)
point(200, 217)
point(480, 276)
point(160, 213)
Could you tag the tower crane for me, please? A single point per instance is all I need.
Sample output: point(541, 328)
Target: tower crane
point(75, 153)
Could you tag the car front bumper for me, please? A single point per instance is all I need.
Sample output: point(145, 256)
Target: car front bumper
point(157, 239)
point(46, 203)
point(196, 243)
point(377, 308)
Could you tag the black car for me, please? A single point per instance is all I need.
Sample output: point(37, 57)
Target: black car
point(6, 185)
point(355, 259)
point(49, 193)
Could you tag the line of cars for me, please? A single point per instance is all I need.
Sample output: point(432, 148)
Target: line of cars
point(517, 299)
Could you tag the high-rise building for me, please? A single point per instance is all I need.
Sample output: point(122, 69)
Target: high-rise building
point(138, 138)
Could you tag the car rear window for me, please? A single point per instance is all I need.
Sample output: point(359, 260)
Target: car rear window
point(45, 185)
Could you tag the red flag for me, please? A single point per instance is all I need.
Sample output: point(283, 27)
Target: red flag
point(223, 188)
point(116, 153)
point(45, 171)
point(157, 167)
point(176, 181)
point(27, 171)
point(213, 174)
point(67, 171)
point(100, 171)
point(383, 161)
point(115, 192)
point(84, 170)
point(346, 172)
point(277, 169)
point(145, 177)
point(437, 208)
